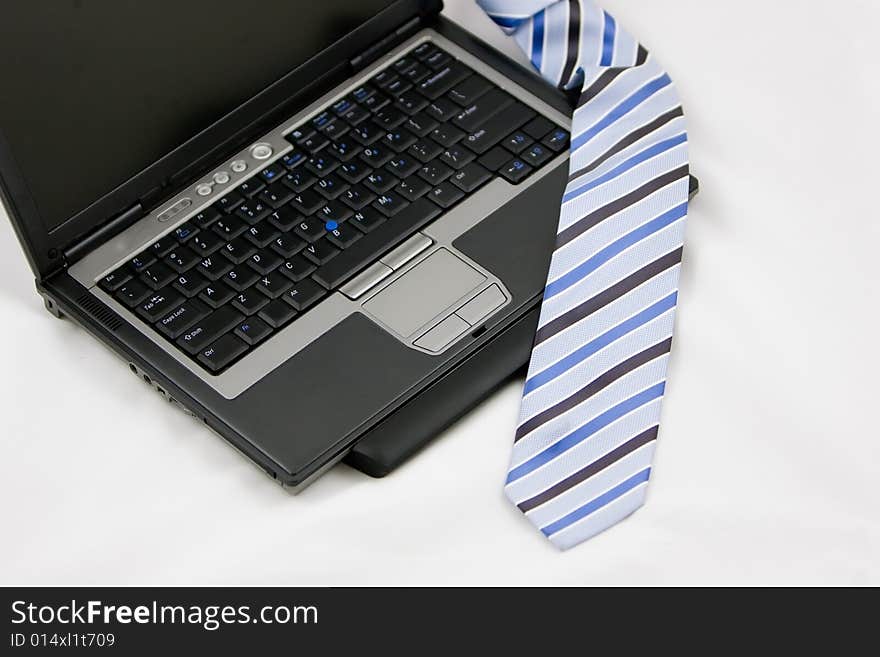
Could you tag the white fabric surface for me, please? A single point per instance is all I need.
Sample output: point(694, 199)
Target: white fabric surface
point(766, 469)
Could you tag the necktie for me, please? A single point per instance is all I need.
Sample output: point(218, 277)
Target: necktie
point(590, 411)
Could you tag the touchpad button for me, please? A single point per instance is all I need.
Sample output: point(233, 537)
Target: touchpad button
point(424, 292)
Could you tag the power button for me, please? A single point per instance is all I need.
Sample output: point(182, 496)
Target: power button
point(261, 151)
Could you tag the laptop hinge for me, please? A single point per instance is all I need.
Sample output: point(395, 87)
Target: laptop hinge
point(378, 49)
point(113, 227)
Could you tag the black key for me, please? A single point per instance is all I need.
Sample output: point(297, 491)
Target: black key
point(470, 178)
point(253, 330)
point(557, 140)
point(141, 262)
point(446, 134)
point(356, 115)
point(375, 103)
point(277, 313)
point(133, 293)
point(190, 283)
point(425, 150)
point(251, 187)
point(310, 229)
point(457, 156)
point(420, 124)
point(538, 127)
point(498, 126)
point(376, 155)
point(321, 164)
point(206, 217)
point(176, 321)
point(185, 232)
point(390, 204)
point(320, 251)
point(443, 80)
point(272, 285)
point(181, 259)
point(441, 109)
point(344, 149)
point(299, 180)
point(363, 92)
point(341, 106)
point(284, 219)
point(404, 64)
point(477, 113)
point(298, 135)
point(238, 250)
point(380, 182)
point(264, 261)
point(367, 133)
point(253, 211)
point(293, 159)
point(206, 243)
point(516, 142)
point(307, 202)
point(435, 172)
point(157, 275)
point(287, 244)
point(536, 155)
point(229, 202)
point(398, 87)
point(417, 73)
point(114, 280)
point(424, 50)
point(437, 59)
point(304, 294)
point(249, 301)
point(515, 170)
point(383, 78)
point(413, 187)
point(343, 235)
point(213, 267)
point(411, 102)
point(399, 140)
point(367, 219)
point(222, 352)
point(353, 171)
point(322, 119)
point(271, 172)
point(357, 197)
point(330, 186)
point(297, 268)
point(446, 195)
point(262, 234)
point(229, 227)
point(380, 239)
point(240, 278)
point(314, 142)
point(495, 158)
point(274, 197)
point(335, 129)
point(216, 295)
point(334, 211)
point(162, 247)
point(159, 304)
point(402, 166)
point(468, 91)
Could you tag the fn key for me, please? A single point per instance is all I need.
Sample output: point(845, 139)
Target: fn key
point(222, 352)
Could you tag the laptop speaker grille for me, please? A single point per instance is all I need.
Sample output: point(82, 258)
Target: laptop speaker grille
point(99, 312)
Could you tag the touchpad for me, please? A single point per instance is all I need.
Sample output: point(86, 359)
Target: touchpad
point(424, 292)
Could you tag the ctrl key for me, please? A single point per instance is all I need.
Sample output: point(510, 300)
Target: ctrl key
point(222, 352)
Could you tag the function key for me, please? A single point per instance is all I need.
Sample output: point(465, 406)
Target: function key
point(375, 103)
point(229, 202)
point(297, 135)
point(185, 232)
point(335, 129)
point(341, 106)
point(206, 217)
point(538, 127)
point(271, 172)
point(397, 87)
point(114, 280)
point(293, 159)
point(557, 140)
point(362, 93)
point(161, 248)
point(315, 142)
point(515, 170)
point(322, 119)
point(141, 262)
point(356, 115)
point(252, 187)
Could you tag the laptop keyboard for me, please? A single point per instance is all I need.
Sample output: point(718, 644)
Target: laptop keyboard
point(365, 174)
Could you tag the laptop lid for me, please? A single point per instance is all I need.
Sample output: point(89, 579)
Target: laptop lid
point(109, 106)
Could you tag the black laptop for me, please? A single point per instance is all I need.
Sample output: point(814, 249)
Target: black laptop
point(322, 229)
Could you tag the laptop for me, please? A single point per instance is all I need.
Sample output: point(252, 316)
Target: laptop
point(322, 229)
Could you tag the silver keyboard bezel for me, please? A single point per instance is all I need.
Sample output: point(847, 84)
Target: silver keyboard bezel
point(336, 307)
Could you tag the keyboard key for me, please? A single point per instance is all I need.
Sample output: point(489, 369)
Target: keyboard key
point(253, 330)
point(206, 243)
point(378, 240)
point(314, 142)
point(251, 187)
point(383, 78)
point(367, 133)
point(424, 50)
point(495, 158)
point(404, 64)
point(412, 188)
point(240, 278)
point(446, 135)
point(516, 142)
point(213, 267)
point(343, 235)
point(114, 280)
point(357, 196)
point(375, 103)
point(390, 204)
point(284, 218)
point(557, 140)
point(363, 92)
point(398, 87)
point(335, 211)
point(443, 80)
point(446, 195)
point(176, 321)
point(238, 250)
point(307, 202)
point(344, 149)
point(304, 294)
point(335, 129)
point(287, 244)
point(159, 304)
point(515, 170)
point(190, 283)
point(470, 178)
point(216, 295)
point(420, 124)
point(222, 352)
point(157, 275)
point(299, 180)
point(457, 156)
point(181, 259)
point(310, 229)
point(538, 127)
point(249, 301)
point(185, 232)
point(417, 73)
point(425, 150)
point(441, 109)
point(435, 172)
point(480, 111)
point(498, 126)
point(141, 262)
point(356, 115)
point(297, 268)
point(380, 182)
point(163, 247)
point(437, 59)
point(229, 202)
point(376, 155)
point(399, 140)
point(321, 164)
point(264, 261)
point(262, 235)
point(272, 285)
point(274, 197)
point(341, 106)
point(353, 171)
point(133, 293)
point(292, 159)
point(205, 218)
point(536, 155)
point(330, 186)
point(229, 227)
point(322, 120)
point(367, 219)
point(411, 102)
point(271, 172)
point(277, 313)
point(469, 90)
point(320, 251)
point(403, 165)
point(208, 329)
point(253, 211)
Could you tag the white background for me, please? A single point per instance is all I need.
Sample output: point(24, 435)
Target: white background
point(767, 469)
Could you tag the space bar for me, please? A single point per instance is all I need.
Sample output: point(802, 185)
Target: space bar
point(376, 243)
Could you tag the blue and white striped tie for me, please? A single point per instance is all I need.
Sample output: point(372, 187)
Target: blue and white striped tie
point(591, 403)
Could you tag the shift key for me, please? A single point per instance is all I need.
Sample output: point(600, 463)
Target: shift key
point(207, 330)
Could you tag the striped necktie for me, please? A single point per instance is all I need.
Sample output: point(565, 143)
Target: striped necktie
point(591, 403)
